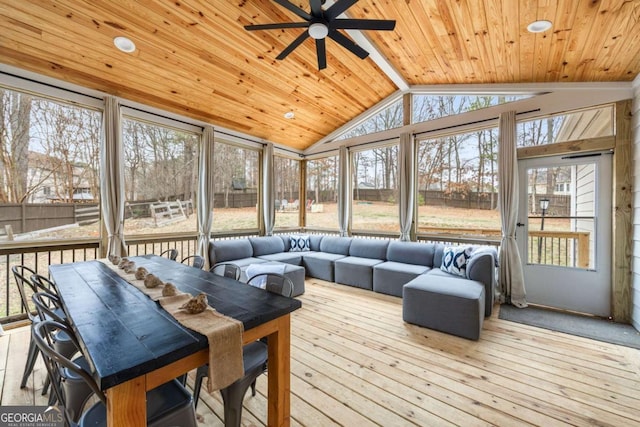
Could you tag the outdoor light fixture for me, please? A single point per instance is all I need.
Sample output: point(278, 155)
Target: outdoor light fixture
point(544, 205)
point(124, 44)
point(289, 115)
point(539, 26)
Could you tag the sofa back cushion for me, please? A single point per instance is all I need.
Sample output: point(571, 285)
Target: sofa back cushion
point(335, 245)
point(285, 241)
point(438, 254)
point(266, 245)
point(315, 241)
point(411, 253)
point(369, 248)
point(229, 250)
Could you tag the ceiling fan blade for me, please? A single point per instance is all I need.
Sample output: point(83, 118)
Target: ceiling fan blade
point(321, 50)
point(276, 26)
point(348, 44)
point(294, 44)
point(362, 24)
point(295, 9)
point(337, 8)
point(316, 8)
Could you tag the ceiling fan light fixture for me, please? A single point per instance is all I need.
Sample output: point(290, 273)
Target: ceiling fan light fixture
point(539, 26)
point(124, 44)
point(318, 31)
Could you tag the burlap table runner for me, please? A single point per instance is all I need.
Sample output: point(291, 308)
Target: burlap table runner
point(224, 333)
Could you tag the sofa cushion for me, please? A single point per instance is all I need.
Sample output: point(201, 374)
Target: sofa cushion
point(266, 245)
point(452, 305)
point(455, 259)
point(315, 241)
point(335, 245)
point(299, 243)
point(320, 264)
point(369, 248)
point(229, 250)
point(285, 241)
point(489, 286)
point(389, 277)
point(355, 271)
point(411, 253)
point(294, 258)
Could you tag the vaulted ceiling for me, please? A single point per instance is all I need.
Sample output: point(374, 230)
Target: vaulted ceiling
point(195, 58)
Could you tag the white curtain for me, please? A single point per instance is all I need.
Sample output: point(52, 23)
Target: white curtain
point(112, 177)
point(406, 158)
point(268, 190)
point(511, 275)
point(344, 184)
point(205, 193)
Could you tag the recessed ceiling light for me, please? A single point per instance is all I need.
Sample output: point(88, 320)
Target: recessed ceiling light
point(289, 115)
point(124, 44)
point(539, 26)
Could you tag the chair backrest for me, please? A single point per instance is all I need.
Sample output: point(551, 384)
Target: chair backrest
point(54, 361)
point(44, 283)
point(46, 305)
point(194, 261)
point(26, 287)
point(227, 269)
point(172, 254)
point(273, 282)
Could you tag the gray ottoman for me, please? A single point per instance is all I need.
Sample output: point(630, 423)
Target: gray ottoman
point(294, 272)
point(447, 304)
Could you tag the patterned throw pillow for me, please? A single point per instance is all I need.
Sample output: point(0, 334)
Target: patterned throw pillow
point(455, 258)
point(299, 243)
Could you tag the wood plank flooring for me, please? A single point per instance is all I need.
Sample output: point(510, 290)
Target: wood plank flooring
point(354, 362)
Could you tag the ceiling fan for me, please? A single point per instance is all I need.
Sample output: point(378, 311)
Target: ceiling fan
point(324, 23)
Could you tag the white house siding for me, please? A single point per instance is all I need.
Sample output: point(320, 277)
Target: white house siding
point(635, 314)
point(584, 204)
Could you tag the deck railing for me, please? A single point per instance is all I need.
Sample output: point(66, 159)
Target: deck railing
point(39, 255)
point(562, 248)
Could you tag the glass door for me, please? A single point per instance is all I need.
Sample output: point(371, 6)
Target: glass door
point(564, 232)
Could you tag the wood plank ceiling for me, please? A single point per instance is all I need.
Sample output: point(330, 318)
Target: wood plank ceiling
point(194, 57)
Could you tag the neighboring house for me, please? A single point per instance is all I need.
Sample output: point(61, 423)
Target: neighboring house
point(46, 176)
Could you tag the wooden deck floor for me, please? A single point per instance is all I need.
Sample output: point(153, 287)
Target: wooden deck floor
point(355, 363)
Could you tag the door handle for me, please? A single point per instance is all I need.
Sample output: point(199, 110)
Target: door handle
point(519, 224)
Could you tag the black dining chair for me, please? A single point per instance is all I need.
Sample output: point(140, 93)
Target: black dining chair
point(172, 254)
point(227, 269)
point(77, 393)
point(167, 405)
point(254, 357)
point(26, 288)
point(194, 261)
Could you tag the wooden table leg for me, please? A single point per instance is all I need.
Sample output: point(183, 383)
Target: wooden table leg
point(279, 374)
point(127, 404)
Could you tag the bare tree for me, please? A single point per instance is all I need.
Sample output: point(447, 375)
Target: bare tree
point(15, 119)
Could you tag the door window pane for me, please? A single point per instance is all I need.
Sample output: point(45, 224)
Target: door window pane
point(236, 178)
point(561, 224)
point(322, 193)
point(161, 173)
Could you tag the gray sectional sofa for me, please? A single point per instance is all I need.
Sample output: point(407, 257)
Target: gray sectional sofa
point(433, 298)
